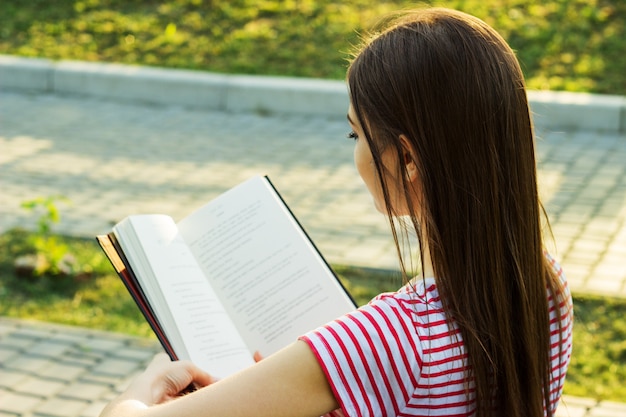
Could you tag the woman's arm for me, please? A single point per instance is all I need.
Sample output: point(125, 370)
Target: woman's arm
point(288, 383)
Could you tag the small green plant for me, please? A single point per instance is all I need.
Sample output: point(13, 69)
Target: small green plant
point(50, 214)
point(50, 255)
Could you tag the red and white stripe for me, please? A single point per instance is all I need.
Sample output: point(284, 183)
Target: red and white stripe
point(397, 356)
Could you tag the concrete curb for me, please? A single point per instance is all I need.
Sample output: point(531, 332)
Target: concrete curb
point(263, 94)
point(565, 110)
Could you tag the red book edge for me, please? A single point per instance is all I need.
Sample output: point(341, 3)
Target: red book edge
point(116, 256)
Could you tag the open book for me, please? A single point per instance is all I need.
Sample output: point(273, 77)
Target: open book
point(236, 276)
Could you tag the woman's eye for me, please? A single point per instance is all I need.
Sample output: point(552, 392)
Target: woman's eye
point(352, 135)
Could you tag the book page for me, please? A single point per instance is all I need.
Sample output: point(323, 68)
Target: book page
point(188, 309)
point(270, 278)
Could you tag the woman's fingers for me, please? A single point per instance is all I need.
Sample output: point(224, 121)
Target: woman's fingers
point(168, 379)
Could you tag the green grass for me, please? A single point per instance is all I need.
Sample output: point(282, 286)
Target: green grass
point(598, 367)
point(597, 370)
point(575, 45)
point(99, 301)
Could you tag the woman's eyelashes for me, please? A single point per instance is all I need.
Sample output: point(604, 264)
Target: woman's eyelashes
point(352, 135)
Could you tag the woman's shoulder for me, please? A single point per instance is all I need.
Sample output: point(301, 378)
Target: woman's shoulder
point(417, 291)
point(418, 299)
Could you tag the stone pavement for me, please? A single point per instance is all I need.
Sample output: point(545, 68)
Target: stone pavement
point(112, 159)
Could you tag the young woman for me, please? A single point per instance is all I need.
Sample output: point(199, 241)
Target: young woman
point(444, 143)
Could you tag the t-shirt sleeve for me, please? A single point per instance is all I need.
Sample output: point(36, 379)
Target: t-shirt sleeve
point(371, 357)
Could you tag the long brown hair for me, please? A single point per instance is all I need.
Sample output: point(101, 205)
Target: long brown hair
point(452, 86)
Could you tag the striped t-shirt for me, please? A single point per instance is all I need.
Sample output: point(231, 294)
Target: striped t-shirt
point(396, 357)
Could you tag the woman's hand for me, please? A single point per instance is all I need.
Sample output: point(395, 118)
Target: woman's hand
point(163, 381)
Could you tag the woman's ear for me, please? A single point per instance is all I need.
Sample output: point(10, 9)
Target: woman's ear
point(409, 159)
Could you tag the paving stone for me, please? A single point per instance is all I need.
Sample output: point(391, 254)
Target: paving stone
point(39, 387)
point(581, 258)
point(90, 377)
point(567, 229)
point(115, 367)
point(81, 390)
point(47, 348)
point(19, 404)
point(7, 353)
point(143, 354)
point(29, 364)
point(9, 378)
point(61, 407)
point(61, 370)
point(84, 357)
point(14, 341)
point(33, 333)
point(98, 345)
